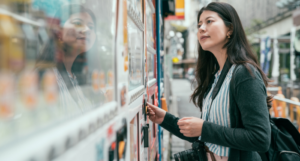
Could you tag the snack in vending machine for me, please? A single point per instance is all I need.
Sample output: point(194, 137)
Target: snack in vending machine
point(102, 80)
point(123, 95)
point(6, 96)
point(110, 78)
point(50, 87)
point(6, 105)
point(27, 102)
point(95, 82)
point(11, 47)
point(29, 89)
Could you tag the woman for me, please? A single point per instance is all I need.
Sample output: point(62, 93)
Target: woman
point(74, 35)
point(235, 125)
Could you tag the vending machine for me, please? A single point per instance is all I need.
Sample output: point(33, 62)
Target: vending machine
point(75, 77)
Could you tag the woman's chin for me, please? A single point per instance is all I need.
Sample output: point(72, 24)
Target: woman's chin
point(204, 48)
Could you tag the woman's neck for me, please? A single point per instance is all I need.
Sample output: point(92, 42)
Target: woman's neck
point(221, 56)
point(69, 55)
point(68, 62)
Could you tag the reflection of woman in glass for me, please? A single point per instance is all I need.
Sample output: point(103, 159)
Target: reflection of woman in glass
point(67, 49)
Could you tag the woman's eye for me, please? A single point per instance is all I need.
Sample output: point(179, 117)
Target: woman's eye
point(91, 27)
point(209, 21)
point(198, 26)
point(77, 23)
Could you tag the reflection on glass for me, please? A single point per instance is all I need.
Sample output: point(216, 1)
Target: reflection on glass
point(72, 41)
point(137, 6)
point(135, 50)
point(150, 63)
point(150, 26)
point(56, 62)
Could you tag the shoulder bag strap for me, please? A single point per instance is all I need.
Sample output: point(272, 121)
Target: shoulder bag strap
point(218, 86)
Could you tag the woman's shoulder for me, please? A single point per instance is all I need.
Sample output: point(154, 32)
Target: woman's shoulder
point(246, 71)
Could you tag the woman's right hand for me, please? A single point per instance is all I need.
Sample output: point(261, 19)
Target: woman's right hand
point(156, 114)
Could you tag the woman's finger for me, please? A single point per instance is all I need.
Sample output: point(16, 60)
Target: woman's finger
point(149, 104)
point(151, 111)
point(184, 118)
point(181, 123)
point(183, 127)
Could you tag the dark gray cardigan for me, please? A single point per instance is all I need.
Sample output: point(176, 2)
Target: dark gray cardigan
point(250, 130)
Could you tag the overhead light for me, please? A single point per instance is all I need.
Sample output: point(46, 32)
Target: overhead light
point(179, 34)
point(181, 40)
point(171, 33)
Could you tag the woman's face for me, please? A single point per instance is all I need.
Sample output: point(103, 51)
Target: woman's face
point(78, 32)
point(212, 32)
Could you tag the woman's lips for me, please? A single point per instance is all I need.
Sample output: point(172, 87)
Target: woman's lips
point(204, 37)
point(84, 40)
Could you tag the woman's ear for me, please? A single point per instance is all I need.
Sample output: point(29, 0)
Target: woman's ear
point(230, 29)
point(58, 34)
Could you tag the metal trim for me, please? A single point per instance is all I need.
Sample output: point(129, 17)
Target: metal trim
point(136, 93)
point(151, 6)
point(134, 16)
point(151, 82)
point(151, 49)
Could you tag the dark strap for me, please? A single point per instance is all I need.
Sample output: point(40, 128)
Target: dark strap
point(218, 86)
point(201, 150)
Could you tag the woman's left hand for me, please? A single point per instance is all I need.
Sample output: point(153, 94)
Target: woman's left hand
point(190, 126)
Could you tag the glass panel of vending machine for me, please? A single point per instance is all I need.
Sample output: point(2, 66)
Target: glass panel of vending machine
point(135, 53)
point(150, 38)
point(56, 65)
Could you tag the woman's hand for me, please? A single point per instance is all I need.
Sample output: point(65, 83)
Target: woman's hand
point(190, 126)
point(156, 114)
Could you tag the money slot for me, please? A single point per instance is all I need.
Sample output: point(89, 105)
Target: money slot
point(145, 108)
point(146, 135)
point(153, 127)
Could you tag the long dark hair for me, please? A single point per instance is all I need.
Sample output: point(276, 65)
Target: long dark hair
point(238, 51)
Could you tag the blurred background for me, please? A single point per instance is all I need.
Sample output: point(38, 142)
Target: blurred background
point(272, 28)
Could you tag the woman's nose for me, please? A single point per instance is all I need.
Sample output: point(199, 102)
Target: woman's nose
point(85, 29)
point(202, 28)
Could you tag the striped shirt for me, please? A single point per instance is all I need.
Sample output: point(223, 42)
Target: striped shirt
point(219, 113)
point(68, 104)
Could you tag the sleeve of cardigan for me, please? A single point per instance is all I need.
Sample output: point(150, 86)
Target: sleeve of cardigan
point(250, 96)
point(170, 124)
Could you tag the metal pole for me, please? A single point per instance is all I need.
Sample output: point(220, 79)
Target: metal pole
point(157, 16)
point(292, 65)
